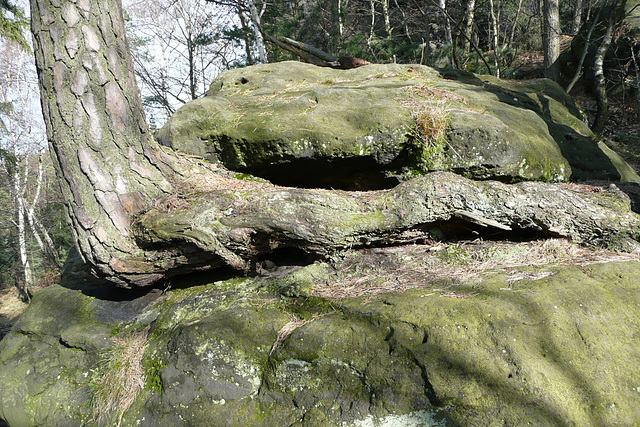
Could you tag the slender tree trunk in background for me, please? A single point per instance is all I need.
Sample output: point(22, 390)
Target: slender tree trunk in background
point(515, 23)
point(599, 89)
point(405, 21)
point(372, 4)
point(585, 51)
point(244, 22)
point(43, 239)
point(494, 33)
point(551, 37)
point(470, 6)
point(261, 49)
point(576, 21)
point(387, 18)
point(447, 26)
point(340, 19)
point(18, 189)
point(107, 161)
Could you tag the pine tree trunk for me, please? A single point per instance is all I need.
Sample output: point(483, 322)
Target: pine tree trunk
point(99, 140)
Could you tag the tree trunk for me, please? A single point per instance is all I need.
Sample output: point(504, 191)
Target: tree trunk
point(372, 4)
point(106, 158)
point(448, 37)
point(387, 18)
point(19, 190)
point(551, 37)
point(515, 23)
point(576, 21)
point(341, 18)
point(244, 22)
point(613, 14)
point(583, 55)
point(44, 241)
point(468, 26)
point(494, 34)
point(599, 89)
point(261, 50)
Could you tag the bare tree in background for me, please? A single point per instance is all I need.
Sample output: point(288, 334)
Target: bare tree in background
point(179, 47)
point(22, 153)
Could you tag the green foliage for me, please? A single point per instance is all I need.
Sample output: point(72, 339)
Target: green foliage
point(152, 368)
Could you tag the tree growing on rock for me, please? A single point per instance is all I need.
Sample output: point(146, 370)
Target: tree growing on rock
point(141, 213)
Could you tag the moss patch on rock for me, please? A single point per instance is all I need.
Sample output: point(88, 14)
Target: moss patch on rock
point(458, 334)
point(374, 126)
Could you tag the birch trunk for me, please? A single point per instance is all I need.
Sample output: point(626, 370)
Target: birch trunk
point(494, 33)
point(468, 25)
point(22, 235)
point(260, 48)
point(447, 26)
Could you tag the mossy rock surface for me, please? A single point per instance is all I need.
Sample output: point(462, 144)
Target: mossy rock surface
point(371, 127)
point(553, 345)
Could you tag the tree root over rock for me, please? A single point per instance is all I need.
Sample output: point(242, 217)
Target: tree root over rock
point(235, 225)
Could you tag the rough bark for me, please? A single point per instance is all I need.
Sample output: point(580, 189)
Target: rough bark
point(141, 214)
point(232, 227)
point(102, 150)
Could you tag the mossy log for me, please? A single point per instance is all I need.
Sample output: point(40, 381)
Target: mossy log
point(241, 221)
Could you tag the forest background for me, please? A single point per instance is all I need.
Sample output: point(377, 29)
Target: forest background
point(179, 46)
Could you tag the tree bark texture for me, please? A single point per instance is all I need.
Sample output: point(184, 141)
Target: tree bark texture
point(102, 149)
point(233, 227)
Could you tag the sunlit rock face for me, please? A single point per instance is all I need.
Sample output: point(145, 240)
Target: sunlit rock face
point(371, 127)
point(320, 346)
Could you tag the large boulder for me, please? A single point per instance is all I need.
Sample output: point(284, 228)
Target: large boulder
point(301, 125)
point(403, 336)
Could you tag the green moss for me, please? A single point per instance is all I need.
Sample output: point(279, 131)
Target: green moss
point(152, 367)
point(248, 177)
